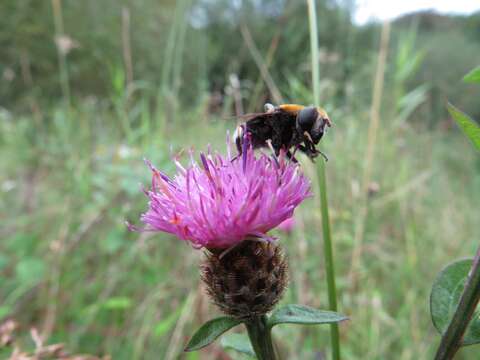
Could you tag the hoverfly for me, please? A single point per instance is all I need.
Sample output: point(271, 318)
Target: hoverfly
point(285, 127)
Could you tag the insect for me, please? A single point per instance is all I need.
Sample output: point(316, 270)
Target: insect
point(285, 127)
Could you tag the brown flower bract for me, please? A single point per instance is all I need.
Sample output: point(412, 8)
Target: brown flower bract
point(246, 281)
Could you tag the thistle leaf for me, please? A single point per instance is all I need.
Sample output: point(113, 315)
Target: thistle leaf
point(210, 331)
point(301, 314)
point(446, 292)
point(238, 342)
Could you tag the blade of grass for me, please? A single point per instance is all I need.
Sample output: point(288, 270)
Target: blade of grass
point(169, 52)
point(126, 46)
point(257, 90)
point(62, 59)
point(369, 157)
point(185, 316)
point(469, 127)
point(327, 239)
point(261, 64)
point(179, 48)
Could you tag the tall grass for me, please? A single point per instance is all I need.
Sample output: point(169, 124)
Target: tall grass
point(322, 182)
point(65, 252)
point(69, 267)
point(61, 51)
point(377, 92)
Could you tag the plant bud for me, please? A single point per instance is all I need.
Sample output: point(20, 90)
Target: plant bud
point(246, 280)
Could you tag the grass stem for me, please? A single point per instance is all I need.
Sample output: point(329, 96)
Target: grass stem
point(327, 238)
point(356, 260)
point(261, 64)
point(329, 260)
point(61, 53)
point(126, 47)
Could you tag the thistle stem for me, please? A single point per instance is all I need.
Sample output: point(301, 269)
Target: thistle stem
point(261, 338)
point(327, 238)
point(452, 338)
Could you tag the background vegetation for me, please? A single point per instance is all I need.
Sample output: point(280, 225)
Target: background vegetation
point(89, 88)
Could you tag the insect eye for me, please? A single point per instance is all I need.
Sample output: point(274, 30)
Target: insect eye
point(306, 117)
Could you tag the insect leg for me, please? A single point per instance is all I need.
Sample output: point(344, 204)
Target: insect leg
point(291, 156)
point(308, 151)
point(316, 152)
point(238, 137)
point(325, 157)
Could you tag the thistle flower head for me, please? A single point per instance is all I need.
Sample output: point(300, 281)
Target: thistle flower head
point(221, 201)
point(248, 280)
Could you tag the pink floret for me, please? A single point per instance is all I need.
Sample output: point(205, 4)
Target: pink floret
point(220, 202)
point(287, 226)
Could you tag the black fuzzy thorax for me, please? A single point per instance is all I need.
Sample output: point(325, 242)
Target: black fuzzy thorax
point(279, 127)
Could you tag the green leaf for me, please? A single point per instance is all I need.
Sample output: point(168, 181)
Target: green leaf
point(166, 324)
point(301, 314)
point(446, 292)
point(22, 244)
point(210, 331)
point(114, 240)
point(192, 356)
point(117, 303)
point(238, 342)
point(473, 76)
point(4, 260)
point(4, 311)
point(469, 127)
point(30, 271)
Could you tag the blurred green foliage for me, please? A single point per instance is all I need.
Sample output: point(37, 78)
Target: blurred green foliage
point(189, 47)
point(69, 175)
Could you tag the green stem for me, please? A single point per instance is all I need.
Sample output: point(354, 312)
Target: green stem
point(312, 19)
point(62, 56)
point(329, 261)
point(327, 239)
point(261, 338)
point(452, 338)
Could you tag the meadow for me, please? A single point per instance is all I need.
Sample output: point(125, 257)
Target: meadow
point(403, 196)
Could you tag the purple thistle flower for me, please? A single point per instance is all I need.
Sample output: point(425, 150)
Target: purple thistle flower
point(222, 201)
